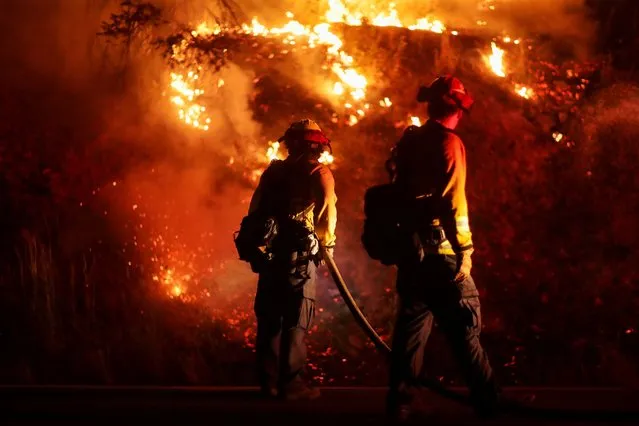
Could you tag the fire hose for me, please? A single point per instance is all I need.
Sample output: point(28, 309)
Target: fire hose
point(505, 405)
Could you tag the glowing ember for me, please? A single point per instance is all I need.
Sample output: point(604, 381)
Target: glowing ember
point(415, 121)
point(496, 60)
point(386, 102)
point(524, 92)
point(558, 137)
point(326, 158)
point(186, 99)
point(174, 285)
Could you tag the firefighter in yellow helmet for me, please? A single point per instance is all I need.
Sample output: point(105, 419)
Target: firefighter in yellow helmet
point(434, 273)
point(298, 193)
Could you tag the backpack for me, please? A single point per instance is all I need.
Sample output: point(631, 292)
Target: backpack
point(253, 239)
point(383, 236)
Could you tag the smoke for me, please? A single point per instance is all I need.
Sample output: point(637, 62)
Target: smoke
point(608, 155)
point(93, 100)
point(233, 107)
point(611, 130)
point(563, 20)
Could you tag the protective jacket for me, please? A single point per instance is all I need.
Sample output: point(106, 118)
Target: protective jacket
point(302, 191)
point(430, 169)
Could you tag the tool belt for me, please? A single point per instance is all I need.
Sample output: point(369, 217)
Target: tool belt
point(295, 247)
point(432, 236)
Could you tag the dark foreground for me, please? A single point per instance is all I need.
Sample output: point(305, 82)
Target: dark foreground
point(337, 406)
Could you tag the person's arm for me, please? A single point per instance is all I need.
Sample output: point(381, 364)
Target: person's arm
point(455, 206)
point(325, 212)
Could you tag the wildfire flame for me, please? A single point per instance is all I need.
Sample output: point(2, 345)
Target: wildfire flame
point(272, 153)
point(186, 99)
point(174, 285)
point(339, 13)
point(348, 84)
point(496, 60)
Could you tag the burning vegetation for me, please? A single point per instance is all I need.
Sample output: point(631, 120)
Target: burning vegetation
point(204, 49)
point(132, 241)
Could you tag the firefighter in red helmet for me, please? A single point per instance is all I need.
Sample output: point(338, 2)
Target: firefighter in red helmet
point(434, 280)
point(298, 193)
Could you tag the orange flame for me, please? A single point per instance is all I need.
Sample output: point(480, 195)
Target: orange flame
point(185, 97)
point(272, 153)
point(496, 60)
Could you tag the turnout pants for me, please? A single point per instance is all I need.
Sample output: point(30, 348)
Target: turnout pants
point(285, 308)
point(427, 293)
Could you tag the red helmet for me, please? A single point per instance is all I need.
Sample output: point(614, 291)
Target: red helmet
point(306, 131)
point(447, 89)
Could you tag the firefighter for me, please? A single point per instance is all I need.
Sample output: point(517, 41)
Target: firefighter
point(434, 274)
point(299, 193)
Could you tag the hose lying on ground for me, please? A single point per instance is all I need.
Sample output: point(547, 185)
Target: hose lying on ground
point(506, 405)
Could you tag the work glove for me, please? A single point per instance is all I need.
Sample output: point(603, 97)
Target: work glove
point(464, 265)
point(330, 251)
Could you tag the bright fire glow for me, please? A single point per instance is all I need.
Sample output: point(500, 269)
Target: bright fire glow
point(185, 97)
point(338, 12)
point(496, 60)
point(326, 158)
point(175, 285)
point(426, 24)
point(523, 91)
point(415, 121)
point(272, 153)
point(350, 85)
point(386, 102)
